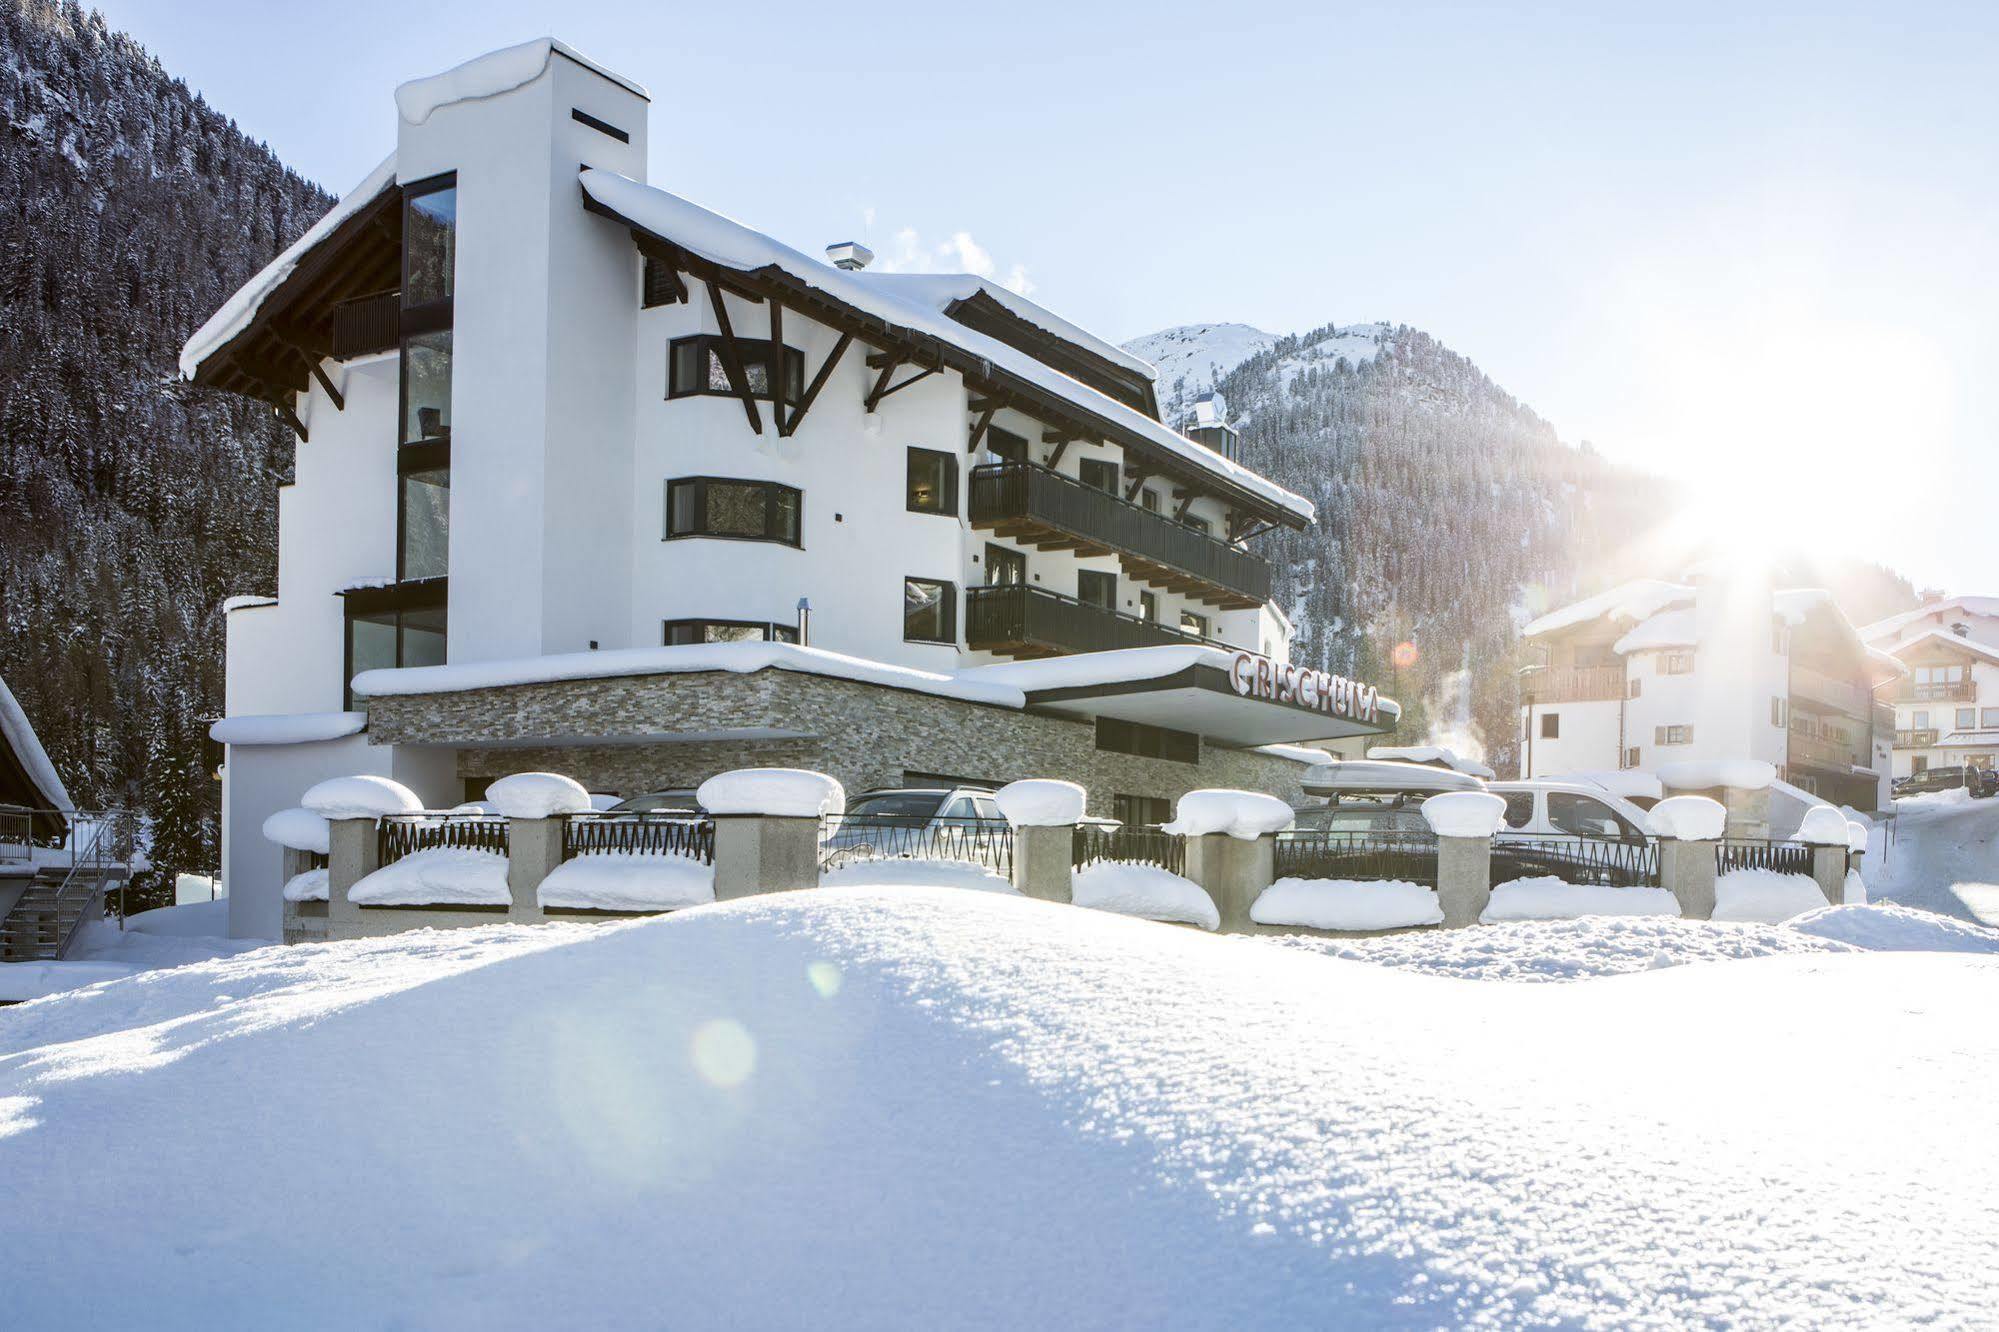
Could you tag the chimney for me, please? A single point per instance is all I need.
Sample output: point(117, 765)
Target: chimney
point(850, 255)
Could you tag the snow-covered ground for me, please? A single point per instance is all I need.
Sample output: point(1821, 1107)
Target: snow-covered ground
point(912, 1106)
point(1939, 852)
point(169, 937)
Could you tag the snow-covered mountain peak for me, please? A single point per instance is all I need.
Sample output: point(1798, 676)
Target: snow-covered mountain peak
point(1192, 358)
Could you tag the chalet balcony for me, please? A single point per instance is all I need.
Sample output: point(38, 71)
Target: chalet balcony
point(1023, 621)
point(1820, 692)
point(1039, 507)
point(1921, 738)
point(1949, 691)
point(1576, 684)
point(1817, 751)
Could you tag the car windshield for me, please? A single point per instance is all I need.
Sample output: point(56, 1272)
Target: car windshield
point(676, 802)
point(917, 805)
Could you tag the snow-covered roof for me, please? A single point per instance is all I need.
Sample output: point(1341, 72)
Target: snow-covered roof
point(1893, 624)
point(287, 728)
point(739, 658)
point(1970, 740)
point(491, 74)
point(1121, 666)
point(1638, 599)
point(1667, 629)
point(28, 752)
point(1944, 638)
point(240, 311)
point(730, 244)
point(941, 291)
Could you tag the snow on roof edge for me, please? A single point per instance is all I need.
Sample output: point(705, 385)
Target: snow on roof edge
point(943, 290)
point(731, 244)
point(1636, 599)
point(27, 746)
point(240, 310)
point(286, 728)
point(497, 71)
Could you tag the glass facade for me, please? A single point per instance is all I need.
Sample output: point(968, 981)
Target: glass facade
point(426, 524)
point(427, 387)
point(927, 611)
point(430, 243)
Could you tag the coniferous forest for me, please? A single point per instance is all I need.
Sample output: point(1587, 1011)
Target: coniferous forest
point(131, 504)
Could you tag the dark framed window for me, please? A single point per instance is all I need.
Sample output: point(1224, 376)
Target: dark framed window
point(694, 366)
point(1135, 811)
point(1148, 607)
point(932, 482)
point(430, 241)
point(1631, 757)
point(714, 506)
point(1099, 473)
point(1118, 736)
point(1201, 525)
point(1005, 445)
point(1097, 588)
point(423, 519)
point(1005, 568)
point(679, 633)
point(929, 611)
point(1193, 622)
point(1551, 726)
point(426, 387)
point(392, 636)
point(1672, 735)
point(1148, 499)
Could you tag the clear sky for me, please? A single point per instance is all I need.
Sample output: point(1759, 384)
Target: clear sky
point(1749, 244)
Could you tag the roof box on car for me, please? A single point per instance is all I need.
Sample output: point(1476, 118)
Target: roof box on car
point(1379, 777)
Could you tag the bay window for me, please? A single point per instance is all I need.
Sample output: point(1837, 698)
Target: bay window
point(695, 366)
point(713, 506)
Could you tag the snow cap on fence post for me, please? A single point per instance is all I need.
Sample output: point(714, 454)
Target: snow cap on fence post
point(1688, 818)
point(792, 793)
point(1476, 814)
point(1243, 815)
point(363, 796)
point(538, 795)
point(1823, 826)
point(1041, 802)
point(1856, 837)
point(298, 829)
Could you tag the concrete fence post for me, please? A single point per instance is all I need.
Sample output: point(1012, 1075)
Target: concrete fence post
point(1044, 861)
point(1829, 868)
point(764, 853)
point(354, 851)
point(534, 849)
point(1234, 871)
point(1687, 871)
point(294, 862)
point(1464, 879)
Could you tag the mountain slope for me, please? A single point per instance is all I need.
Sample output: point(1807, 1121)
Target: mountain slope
point(130, 503)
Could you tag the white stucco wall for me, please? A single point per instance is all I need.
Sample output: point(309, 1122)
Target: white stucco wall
point(1588, 739)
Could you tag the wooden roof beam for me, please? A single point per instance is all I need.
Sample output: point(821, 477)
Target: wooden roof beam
point(732, 360)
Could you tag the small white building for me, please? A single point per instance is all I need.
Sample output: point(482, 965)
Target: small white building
point(1947, 706)
point(1721, 667)
point(592, 478)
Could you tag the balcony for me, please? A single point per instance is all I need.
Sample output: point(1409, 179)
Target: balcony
point(1817, 751)
point(1819, 692)
point(1038, 507)
point(1576, 684)
point(1947, 691)
point(1918, 739)
point(1020, 621)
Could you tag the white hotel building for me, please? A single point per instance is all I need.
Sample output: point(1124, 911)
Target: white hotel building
point(576, 455)
point(1724, 666)
point(1947, 706)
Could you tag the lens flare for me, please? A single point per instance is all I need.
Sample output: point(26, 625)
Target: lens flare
point(1405, 655)
point(724, 1052)
point(825, 978)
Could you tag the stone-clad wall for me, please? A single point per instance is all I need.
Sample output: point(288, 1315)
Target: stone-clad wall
point(864, 735)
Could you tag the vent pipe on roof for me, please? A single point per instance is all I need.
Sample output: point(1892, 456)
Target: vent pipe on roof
point(850, 255)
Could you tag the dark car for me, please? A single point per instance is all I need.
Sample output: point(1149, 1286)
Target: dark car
point(1982, 783)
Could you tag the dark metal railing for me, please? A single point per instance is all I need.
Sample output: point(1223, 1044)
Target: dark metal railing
point(1576, 859)
point(400, 835)
point(847, 838)
point(1007, 492)
point(648, 834)
point(367, 324)
point(1409, 856)
point(1128, 846)
point(1758, 853)
point(1037, 620)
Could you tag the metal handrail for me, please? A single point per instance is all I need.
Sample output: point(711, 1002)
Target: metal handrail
point(107, 844)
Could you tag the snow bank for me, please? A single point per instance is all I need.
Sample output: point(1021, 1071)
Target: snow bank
point(628, 881)
point(1477, 814)
point(1549, 898)
point(1039, 802)
point(1429, 754)
point(1688, 818)
point(312, 885)
point(1246, 815)
point(1886, 927)
point(1823, 826)
point(1347, 904)
point(360, 797)
point(911, 872)
point(490, 75)
point(538, 795)
point(287, 728)
point(780, 792)
point(1856, 889)
point(1706, 774)
point(190, 920)
point(440, 876)
point(22, 981)
point(1765, 895)
point(1146, 891)
point(298, 829)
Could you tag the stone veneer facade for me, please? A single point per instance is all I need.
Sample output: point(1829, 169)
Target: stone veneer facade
point(864, 735)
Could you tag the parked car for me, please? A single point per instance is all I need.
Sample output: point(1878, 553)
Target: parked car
point(675, 800)
point(1982, 783)
point(946, 822)
point(1542, 808)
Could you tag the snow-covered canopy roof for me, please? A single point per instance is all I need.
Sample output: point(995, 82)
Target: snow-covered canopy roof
point(1893, 625)
point(492, 74)
point(884, 312)
point(23, 752)
point(1970, 740)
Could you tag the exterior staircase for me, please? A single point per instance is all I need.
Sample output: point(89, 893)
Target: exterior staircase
point(45, 919)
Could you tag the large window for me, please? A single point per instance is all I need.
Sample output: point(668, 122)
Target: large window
point(430, 240)
point(1118, 736)
point(933, 482)
point(679, 633)
point(427, 387)
point(1966, 718)
point(1193, 622)
point(425, 522)
point(1100, 473)
point(695, 366)
point(1097, 588)
point(1005, 445)
point(1005, 568)
point(929, 611)
point(1136, 811)
point(391, 637)
point(711, 506)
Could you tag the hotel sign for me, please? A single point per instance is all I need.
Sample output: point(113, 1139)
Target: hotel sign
point(1257, 676)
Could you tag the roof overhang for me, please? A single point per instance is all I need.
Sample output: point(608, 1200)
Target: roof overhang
point(1210, 701)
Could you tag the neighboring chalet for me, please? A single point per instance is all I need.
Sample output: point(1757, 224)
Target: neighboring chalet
point(1653, 672)
point(1947, 707)
point(592, 478)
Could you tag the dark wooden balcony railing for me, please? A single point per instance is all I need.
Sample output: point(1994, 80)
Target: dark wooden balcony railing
point(1043, 508)
point(1948, 691)
point(1576, 684)
point(1809, 687)
point(1818, 751)
point(367, 324)
point(1019, 621)
point(1921, 737)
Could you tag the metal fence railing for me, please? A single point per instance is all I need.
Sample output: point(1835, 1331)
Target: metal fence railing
point(1409, 856)
point(1129, 846)
point(17, 833)
point(400, 835)
point(1736, 853)
point(846, 838)
point(655, 834)
point(1576, 859)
